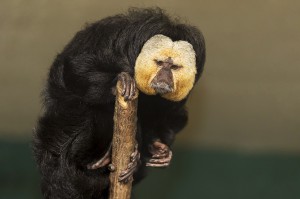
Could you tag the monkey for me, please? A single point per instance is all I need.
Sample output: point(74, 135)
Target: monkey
point(145, 49)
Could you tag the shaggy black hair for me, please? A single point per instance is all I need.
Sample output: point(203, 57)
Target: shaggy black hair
point(77, 124)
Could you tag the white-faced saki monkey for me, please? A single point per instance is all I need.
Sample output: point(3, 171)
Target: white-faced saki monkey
point(143, 48)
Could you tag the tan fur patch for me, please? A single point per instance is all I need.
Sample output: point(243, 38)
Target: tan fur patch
point(160, 47)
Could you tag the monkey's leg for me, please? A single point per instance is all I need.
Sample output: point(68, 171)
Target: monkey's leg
point(161, 155)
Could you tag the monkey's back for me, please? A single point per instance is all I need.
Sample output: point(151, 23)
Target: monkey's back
point(77, 123)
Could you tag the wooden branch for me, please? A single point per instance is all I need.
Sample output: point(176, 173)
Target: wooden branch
point(123, 143)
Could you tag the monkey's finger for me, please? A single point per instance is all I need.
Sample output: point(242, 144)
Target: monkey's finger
point(122, 78)
point(157, 165)
point(164, 150)
point(160, 152)
point(135, 156)
point(127, 172)
point(124, 176)
point(129, 167)
point(128, 88)
point(132, 90)
point(160, 146)
point(105, 160)
point(161, 160)
point(100, 163)
point(163, 155)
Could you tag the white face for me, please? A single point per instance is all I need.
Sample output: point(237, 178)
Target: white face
point(160, 48)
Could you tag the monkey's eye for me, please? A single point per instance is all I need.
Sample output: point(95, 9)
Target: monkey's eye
point(160, 63)
point(175, 67)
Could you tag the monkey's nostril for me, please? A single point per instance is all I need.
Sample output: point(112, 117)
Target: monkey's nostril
point(161, 87)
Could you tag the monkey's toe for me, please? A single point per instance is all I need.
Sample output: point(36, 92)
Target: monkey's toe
point(127, 174)
point(104, 161)
point(160, 160)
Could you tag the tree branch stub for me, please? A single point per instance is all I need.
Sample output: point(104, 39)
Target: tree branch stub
point(125, 118)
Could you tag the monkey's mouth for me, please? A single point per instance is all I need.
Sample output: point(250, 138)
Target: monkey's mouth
point(161, 87)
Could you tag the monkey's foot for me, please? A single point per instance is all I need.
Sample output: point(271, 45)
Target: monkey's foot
point(127, 174)
point(161, 155)
point(104, 161)
point(129, 87)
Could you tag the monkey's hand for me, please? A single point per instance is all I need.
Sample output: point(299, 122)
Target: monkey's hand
point(161, 155)
point(129, 87)
point(127, 174)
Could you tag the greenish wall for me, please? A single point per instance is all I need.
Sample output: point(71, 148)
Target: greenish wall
point(248, 98)
point(193, 174)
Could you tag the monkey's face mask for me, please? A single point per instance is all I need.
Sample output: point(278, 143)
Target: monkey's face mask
point(166, 68)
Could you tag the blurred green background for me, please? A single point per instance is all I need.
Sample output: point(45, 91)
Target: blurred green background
point(243, 138)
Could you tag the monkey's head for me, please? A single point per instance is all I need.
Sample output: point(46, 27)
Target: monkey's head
point(166, 68)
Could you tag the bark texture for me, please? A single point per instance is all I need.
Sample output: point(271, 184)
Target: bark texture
point(125, 118)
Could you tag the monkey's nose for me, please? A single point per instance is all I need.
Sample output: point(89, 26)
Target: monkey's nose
point(161, 87)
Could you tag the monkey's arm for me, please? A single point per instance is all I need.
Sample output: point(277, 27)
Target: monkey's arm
point(93, 81)
point(78, 117)
point(84, 81)
point(160, 147)
point(85, 77)
point(159, 134)
point(173, 122)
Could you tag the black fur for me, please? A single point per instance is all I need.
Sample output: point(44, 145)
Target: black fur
point(77, 124)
